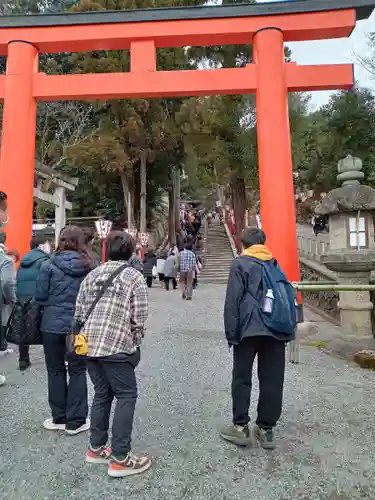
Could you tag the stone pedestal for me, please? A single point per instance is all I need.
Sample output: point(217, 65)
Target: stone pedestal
point(353, 268)
point(355, 307)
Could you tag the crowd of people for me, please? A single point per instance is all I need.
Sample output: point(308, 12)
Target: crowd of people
point(180, 261)
point(93, 320)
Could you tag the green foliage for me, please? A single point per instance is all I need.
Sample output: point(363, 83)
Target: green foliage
point(346, 125)
point(106, 141)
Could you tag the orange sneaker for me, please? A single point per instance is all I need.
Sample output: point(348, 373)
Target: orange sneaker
point(98, 456)
point(131, 466)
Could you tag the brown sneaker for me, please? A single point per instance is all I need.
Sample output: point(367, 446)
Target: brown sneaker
point(98, 455)
point(131, 466)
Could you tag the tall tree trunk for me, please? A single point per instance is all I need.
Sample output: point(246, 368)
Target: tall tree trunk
point(171, 217)
point(239, 204)
point(143, 194)
point(177, 198)
point(134, 214)
point(127, 197)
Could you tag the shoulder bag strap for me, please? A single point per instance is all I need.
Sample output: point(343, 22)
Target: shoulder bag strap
point(104, 288)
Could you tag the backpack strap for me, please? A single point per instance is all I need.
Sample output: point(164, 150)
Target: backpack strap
point(108, 282)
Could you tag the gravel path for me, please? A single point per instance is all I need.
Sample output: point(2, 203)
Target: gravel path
point(326, 436)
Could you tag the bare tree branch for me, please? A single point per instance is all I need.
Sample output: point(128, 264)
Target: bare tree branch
point(61, 125)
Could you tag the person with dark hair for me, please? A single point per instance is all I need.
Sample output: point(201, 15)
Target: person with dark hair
point(197, 271)
point(14, 254)
point(249, 304)
point(89, 240)
point(319, 224)
point(56, 290)
point(160, 264)
point(170, 271)
point(7, 293)
point(27, 275)
point(148, 265)
point(187, 264)
point(114, 329)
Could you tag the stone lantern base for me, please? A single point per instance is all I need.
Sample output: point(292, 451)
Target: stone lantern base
point(353, 268)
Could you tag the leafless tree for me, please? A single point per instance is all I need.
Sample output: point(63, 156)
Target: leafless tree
point(61, 125)
point(368, 61)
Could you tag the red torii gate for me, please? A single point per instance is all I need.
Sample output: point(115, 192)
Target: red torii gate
point(267, 26)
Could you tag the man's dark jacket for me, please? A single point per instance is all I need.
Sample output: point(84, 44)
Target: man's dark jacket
point(57, 288)
point(244, 299)
point(28, 273)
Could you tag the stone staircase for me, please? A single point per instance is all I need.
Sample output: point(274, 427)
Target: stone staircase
point(219, 255)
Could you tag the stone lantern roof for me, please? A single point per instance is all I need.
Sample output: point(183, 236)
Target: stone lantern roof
point(352, 196)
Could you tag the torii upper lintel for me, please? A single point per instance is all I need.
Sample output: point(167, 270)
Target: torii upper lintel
point(267, 26)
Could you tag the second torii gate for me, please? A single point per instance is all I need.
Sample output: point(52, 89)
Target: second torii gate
point(267, 26)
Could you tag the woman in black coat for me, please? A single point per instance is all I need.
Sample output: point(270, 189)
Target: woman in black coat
point(56, 291)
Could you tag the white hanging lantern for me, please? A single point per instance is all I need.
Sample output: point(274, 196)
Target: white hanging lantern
point(103, 228)
point(143, 238)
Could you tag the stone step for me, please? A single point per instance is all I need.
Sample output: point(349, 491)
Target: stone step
point(218, 265)
point(221, 258)
point(213, 274)
point(215, 270)
point(218, 242)
point(218, 257)
point(213, 251)
point(215, 279)
point(224, 260)
point(224, 251)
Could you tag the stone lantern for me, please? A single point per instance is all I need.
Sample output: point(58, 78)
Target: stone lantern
point(351, 251)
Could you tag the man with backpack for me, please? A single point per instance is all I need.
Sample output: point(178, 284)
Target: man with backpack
point(259, 319)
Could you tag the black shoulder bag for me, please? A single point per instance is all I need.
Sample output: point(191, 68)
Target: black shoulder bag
point(77, 341)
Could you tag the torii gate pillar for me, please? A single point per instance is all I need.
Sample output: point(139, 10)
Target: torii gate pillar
point(277, 202)
point(18, 142)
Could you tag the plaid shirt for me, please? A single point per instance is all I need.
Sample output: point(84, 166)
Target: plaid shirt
point(188, 261)
point(116, 325)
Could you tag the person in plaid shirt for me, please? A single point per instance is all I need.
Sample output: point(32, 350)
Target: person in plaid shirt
point(188, 264)
point(114, 331)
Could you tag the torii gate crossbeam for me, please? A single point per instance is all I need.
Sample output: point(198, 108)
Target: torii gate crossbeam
point(267, 26)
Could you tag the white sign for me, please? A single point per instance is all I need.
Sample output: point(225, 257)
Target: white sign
point(259, 222)
point(218, 204)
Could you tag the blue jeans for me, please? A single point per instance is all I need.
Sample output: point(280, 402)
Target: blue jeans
point(68, 401)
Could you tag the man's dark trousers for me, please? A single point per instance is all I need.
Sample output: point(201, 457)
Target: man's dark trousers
point(113, 377)
point(271, 368)
point(24, 353)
